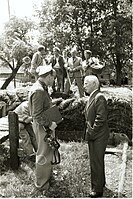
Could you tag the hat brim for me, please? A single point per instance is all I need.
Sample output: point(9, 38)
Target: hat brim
point(97, 68)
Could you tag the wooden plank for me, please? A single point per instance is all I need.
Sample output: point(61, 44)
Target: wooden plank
point(13, 139)
point(122, 170)
point(113, 150)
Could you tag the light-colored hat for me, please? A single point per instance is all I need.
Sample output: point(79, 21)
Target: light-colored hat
point(41, 70)
point(41, 47)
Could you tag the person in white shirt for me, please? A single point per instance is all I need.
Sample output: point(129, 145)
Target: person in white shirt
point(87, 63)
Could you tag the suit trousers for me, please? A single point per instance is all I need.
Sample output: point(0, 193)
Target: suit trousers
point(44, 156)
point(97, 152)
point(60, 81)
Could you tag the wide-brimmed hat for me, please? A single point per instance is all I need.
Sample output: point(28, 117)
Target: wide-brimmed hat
point(41, 70)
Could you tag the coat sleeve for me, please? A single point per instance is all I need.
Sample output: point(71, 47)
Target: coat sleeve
point(37, 107)
point(34, 60)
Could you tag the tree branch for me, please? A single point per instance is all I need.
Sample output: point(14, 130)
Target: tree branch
point(3, 59)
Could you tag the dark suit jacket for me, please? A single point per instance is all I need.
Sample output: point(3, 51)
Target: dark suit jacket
point(96, 117)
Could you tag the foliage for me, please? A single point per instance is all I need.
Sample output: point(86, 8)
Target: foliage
point(15, 45)
point(103, 26)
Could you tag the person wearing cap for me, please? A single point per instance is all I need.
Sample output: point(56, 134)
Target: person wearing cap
point(37, 60)
point(58, 65)
point(39, 102)
point(75, 72)
point(26, 67)
point(91, 65)
point(97, 133)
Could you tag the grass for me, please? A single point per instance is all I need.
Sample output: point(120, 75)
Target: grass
point(71, 178)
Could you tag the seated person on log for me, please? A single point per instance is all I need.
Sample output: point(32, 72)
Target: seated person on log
point(26, 132)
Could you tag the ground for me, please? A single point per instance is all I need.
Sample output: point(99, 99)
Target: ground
point(71, 178)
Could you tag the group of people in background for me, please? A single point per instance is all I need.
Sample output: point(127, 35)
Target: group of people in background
point(59, 72)
point(68, 65)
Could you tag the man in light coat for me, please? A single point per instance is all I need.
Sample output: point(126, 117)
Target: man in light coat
point(39, 102)
point(75, 72)
point(97, 133)
point(37, 60)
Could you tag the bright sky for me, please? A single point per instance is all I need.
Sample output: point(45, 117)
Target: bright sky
point(19, 8)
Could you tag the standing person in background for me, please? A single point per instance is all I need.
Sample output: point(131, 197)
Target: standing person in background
point(97, 133)
point(26, 67)
point(37, 60)
point(75, 72)
point(39, 102)
point(65, 58)
point(58, 65)
point(87, 62)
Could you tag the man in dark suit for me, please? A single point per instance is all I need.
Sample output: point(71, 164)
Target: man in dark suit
point(97, 133)
point(58, 65)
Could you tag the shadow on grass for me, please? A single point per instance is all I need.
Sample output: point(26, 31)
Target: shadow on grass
point(108, 193)
point(58, 189)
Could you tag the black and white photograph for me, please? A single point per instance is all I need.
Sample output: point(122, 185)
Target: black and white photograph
point(66, 99)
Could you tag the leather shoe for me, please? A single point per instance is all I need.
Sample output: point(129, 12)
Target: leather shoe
point(94, 194)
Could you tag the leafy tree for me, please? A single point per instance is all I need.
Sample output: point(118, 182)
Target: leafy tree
point(15, 45)
point(103, 26)
point(116, 35)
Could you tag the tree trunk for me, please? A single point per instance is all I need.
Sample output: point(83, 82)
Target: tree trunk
point(12, 76)
point(118, 71)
